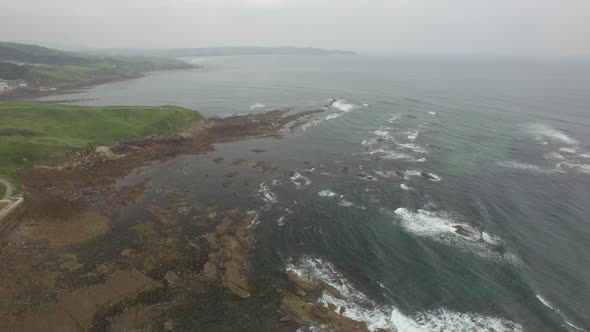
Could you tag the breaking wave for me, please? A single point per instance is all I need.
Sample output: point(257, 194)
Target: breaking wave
point(558, 312)
point(266, 194)
point(357, 306)
point(343, 105)
point(527, 167)
point(405, 187)
point(256, 106)
point(327, 193)
point(443, 228)
point(541, 131)
point(299, 180)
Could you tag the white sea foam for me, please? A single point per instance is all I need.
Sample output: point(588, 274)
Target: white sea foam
point(393, 119)
point(345, 203)
point(366, 177)
point(541, 131)
point(266, 194)
point(584, 155)
point(444, 228)
point(381, 132)
point(256, 220)
point(412, 135)
point(430, 176)
point(528, 167)
point(567, 150)
point(558, 312)
point(432, 113)
point(359, 307)
point(257, 105)
point(327, 193)
point(281, 221)
point(299, 180)
point(343, 105)
point(334, 115)
point(556, 156)
point(412, 147)
point(582, 168)
point(493, 240)
point(309, 124)
point(387, 174)
point(392, 154)
point(405, 187)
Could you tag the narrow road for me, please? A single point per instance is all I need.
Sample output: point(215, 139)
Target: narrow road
point(8, 187)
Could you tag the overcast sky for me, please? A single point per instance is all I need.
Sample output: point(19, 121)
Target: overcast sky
point(506, 27)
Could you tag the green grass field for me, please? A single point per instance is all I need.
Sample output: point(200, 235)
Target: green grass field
point(64, 74)
point(3, 205)
point(2, 190)
point(37, 133)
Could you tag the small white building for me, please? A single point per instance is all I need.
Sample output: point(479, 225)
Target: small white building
point(3, 86)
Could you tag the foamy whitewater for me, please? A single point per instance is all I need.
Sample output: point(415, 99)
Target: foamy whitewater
point(257, 106)
point(542, 131)
point(357, 306)
point(444, 228)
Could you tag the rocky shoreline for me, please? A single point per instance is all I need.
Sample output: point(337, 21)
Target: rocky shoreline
point(71, 266)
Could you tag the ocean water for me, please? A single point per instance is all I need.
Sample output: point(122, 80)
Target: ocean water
point(436, 194)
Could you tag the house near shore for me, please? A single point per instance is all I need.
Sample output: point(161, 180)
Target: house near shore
point(3, 85)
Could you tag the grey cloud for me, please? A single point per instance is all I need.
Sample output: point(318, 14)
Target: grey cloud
point(512, 27)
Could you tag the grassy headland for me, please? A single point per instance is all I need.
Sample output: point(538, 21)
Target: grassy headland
point(37, 133)
point(43, 68)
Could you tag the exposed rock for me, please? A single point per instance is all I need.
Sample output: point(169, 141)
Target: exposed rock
point(60, 231)
point(295, 308)
point(210, 270)
point(462, 230)
point(171, 278)
point(311, 284)
point(232, 174)
point(427, 175)
point(81, 308)
point(228, 247)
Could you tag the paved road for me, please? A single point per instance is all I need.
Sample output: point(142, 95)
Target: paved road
point(9, 188)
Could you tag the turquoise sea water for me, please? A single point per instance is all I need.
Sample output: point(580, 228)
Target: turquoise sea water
point(437, 194)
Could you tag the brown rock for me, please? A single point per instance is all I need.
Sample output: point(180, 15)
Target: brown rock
point(171, 278)
point(210, 270)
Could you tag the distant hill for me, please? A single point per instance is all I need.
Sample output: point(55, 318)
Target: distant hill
point(33, 54)
point(45, 67)
point(228, 51)
point(26, 53)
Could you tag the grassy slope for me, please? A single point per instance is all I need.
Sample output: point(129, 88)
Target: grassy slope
point(55, 68)
point(32, 133)
point(2, 191)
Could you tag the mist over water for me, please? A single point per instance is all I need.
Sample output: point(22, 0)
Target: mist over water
point(434, 193)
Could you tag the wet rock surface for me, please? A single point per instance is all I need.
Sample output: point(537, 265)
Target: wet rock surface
point(90, 255)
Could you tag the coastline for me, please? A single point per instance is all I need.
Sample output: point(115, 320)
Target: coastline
point(61, 222)
point(31, 94)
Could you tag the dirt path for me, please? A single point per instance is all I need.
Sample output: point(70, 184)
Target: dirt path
point(8, 187)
